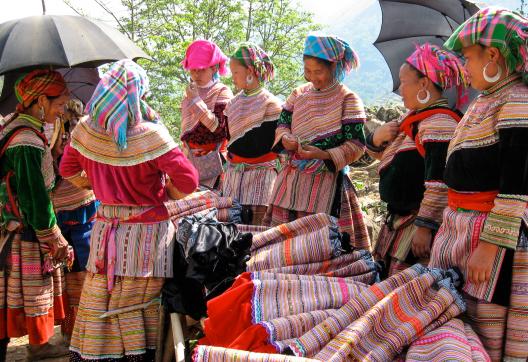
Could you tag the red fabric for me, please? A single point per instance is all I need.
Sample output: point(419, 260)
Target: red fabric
point(409, 121)
point(132, 185)
point(229, 323)
point(39, 329)
point(38, 82)
point(478, 201)
point(264, 158)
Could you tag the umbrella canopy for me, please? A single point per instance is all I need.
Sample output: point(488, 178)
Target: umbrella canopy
point(81, 83)
point(406, 23)
point(62, 41)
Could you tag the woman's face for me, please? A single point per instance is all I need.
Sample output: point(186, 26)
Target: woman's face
point(318, 73)
point(202, 76)
point(53, 107)
point(476, 58)
point(410, 86)
point(240, 74)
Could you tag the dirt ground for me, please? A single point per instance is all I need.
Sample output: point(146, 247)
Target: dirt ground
point(16, 351)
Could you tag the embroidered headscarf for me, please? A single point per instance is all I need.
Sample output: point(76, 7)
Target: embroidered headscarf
point(256, 59)
point(37, 83)
point(444, 69)
point(333, 49)
point(495, 27)
point(203, 54)
point(118, 101)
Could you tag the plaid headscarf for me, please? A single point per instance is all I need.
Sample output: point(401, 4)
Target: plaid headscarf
point(37, 83)
point(333, 49)
point(495, 27)
point(256, 59)
point(203, 54)
point(117, 103)
point(443, 68)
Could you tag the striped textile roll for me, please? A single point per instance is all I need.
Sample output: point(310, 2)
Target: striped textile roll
point(417, 307)
point(219, 354)
point(453, 341)
point(196, 202)
point(127, 335)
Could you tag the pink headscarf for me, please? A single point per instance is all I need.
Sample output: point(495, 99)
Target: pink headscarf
point(204, 54)
point(445, 69)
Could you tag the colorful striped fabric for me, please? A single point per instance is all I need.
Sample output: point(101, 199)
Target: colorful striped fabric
point(30, 303)
point(74, 285)
point(245, 112)
point(220, 354)
point(453, 341)
point(201, 202)
point(142, 249)
point(145, 142)
point(67, 197)
point(118, 102)
point(196, 112)
point(377, 326)
point(128, 335)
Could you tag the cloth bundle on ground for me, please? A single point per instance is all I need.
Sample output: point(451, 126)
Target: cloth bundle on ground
point(202, 202)
point(374, 323)
point(208, 256)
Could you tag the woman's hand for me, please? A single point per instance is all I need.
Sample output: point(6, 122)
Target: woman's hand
point(481, 261)
point(308, 152)
point(421, 242)
point(385, 133)
point(290, 142)
point(192, 91)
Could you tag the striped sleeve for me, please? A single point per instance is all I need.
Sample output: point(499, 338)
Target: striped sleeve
point(285, 119)
point(198, 110)
point(352, 127)
point(504, 221)
point(434, 133)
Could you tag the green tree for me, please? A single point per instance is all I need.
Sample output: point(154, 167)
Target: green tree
point(164, 28)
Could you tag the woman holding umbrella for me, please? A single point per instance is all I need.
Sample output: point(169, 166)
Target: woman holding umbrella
point(133, 165)
point(483, 232)
point(412, 151)
point(33, 248)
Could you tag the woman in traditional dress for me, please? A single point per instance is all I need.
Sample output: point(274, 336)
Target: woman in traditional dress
point(75, 209)
point(252, 120)
point(203, 128)
point(483, 232)
point(32, 246)
point(132, 163)
point(321, 130)
point(413, 151)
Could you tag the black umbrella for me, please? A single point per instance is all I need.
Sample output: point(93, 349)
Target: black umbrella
point(406, 23)
point(62, 41)
point(81, 84)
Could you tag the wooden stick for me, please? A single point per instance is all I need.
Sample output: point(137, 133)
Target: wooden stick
point(130, 308)
point(177, 334)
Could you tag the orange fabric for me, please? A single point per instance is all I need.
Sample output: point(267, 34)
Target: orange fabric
point(479, 201)
point(407, 125)
point(39, 329)
point(264, 158)
point(208, 146)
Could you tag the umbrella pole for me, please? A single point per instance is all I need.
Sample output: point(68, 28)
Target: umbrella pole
point(43, 7)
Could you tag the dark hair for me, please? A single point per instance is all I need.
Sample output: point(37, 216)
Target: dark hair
point(421, 75)
point(324, 62)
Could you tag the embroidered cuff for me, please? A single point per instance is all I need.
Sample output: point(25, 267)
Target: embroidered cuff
point(345, 154)
point(501, 230)
point(434, 201)
point(369, 143)
point(430, 224)
point(48, 236)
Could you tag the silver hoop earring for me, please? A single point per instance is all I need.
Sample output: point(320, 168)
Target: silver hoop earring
point(249, 79)
point(41, 113)
point(427, 96)
point(493, 79)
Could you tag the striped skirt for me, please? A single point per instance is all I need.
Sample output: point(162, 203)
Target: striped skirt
point(131, 335)
point(30, 303)
point(497, 310)
point(74, 285)
point(310, 200)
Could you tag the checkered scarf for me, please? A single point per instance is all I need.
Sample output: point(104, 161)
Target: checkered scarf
point(495, 27)
point(333, 49)
point(256, 59)
point(117, 103)
point(443, 68)
point(38, 82)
